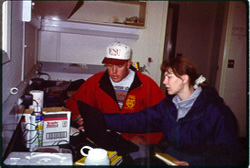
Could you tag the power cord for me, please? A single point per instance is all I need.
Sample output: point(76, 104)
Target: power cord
point(38, 72)
point(26, 131)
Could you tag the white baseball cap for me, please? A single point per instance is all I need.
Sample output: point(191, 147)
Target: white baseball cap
point(117, 53)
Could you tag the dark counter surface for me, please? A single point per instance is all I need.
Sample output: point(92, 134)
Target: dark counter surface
point(76, 143)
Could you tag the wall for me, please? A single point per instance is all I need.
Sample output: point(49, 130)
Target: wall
point(87, 49)
point(14, 73)
point(151, 41)
point(11, 75)
point(233, 85)
point(12, 70)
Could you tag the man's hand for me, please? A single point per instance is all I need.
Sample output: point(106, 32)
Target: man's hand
point(79, 121)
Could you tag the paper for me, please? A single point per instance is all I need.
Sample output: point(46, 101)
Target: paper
point(166, 158)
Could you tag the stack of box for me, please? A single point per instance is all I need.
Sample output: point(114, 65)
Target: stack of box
point(56, 128)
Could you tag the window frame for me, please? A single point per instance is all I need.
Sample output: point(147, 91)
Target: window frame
point(6, 32)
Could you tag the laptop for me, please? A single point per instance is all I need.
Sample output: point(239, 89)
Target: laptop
point(96, 131)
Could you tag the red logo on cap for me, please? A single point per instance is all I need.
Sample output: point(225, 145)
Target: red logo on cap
point(114, 52)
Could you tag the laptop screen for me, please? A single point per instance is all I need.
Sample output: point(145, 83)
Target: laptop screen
point(94, 122)
point(95, 128)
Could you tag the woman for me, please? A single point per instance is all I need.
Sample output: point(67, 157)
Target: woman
point(199, 128)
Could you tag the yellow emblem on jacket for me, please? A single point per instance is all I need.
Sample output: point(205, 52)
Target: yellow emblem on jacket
point(130, 102)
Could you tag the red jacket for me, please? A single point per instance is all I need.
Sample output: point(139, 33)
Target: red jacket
point(98, 92)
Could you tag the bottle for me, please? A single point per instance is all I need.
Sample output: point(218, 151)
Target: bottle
point(137, 66)
point(37, 122)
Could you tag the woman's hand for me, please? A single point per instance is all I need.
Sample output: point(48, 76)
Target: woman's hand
point(139, 140)
point(181, 163)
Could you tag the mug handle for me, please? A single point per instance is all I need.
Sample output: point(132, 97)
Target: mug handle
point(85, 147)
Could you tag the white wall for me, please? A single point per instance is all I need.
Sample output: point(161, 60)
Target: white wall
point(234, 80)
point(11, 75)
point(14, 72)
point(151, 40)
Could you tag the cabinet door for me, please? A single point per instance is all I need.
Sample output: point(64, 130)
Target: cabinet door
point(86, 49)
point(48, 46)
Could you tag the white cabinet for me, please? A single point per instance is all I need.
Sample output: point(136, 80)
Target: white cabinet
point(49, 47)
point(72, 48)
point(85, 49)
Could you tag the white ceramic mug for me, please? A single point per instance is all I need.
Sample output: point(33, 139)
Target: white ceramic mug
point(95, 156)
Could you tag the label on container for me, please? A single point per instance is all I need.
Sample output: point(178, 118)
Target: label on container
point(36, 135)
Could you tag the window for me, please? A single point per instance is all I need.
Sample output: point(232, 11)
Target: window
point(6, 31)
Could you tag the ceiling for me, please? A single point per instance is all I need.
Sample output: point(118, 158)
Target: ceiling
point(56, 10)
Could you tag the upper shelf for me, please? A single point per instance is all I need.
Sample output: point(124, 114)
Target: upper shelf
point(130, 14)
point(54, 10)
point(115, 13)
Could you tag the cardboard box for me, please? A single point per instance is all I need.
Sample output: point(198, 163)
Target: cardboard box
point(56, 125)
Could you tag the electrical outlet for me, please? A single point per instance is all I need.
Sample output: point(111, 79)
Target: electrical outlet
point(230, 64)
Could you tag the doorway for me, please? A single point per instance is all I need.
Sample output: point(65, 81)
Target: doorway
point(171, 34)
point(194, 30)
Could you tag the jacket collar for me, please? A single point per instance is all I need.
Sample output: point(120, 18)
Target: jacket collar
point(207, 96)
point(106, 85)
point(136, 83)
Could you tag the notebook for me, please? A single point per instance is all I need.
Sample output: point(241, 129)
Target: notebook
point(96, 131)
point(168, 159)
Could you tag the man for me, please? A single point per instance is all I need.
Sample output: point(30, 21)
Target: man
point(119, 89)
